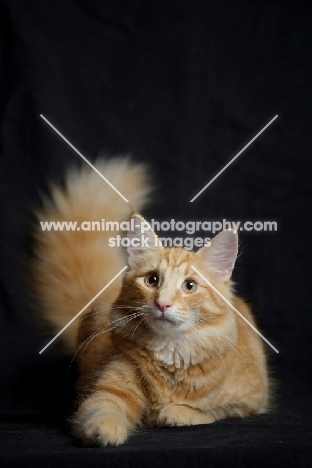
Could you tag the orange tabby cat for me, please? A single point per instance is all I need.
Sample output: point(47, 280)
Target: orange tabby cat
point(162, 348)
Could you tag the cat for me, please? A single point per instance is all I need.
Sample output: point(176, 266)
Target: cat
point(159, 347)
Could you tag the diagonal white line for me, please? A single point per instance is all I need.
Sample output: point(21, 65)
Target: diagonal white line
point(237, 311)
point(84, 158)
point(233, 159)
point(82, 310)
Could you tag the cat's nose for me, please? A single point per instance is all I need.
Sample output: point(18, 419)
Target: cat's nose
point(163, 304)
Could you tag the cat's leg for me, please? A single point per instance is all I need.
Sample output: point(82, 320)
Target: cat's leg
point(238, 410)
point(183, 415)
point(113, 409)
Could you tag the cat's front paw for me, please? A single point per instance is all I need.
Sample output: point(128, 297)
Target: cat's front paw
point(182, 415)
point(104, 429)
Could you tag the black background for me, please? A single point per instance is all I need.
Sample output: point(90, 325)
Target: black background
point(183, 86)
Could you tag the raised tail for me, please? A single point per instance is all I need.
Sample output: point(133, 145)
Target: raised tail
point(73, 262)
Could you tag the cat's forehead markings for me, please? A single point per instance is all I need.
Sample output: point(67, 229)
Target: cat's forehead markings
point(163, 264)
point(179, 257)
point(174, 275)
point(174, 266)
point(175, 263)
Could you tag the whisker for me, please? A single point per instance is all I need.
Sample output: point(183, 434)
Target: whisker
point(216, 347)
point(100, 331)
point(110, 326)
point(220, 354)
point(96, 311)
point(123, 321)
point(137, 327)
point(234, 346)
point(242, 351)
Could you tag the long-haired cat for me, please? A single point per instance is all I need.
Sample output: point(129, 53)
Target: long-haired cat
point(159, 347)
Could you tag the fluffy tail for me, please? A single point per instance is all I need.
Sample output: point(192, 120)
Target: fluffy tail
point(73, 264)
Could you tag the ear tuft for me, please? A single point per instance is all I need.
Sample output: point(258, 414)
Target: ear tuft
point(142, 240)
point(222, 254)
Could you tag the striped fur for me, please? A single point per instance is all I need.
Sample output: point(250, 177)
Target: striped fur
point(194, 363)
point(207, 364)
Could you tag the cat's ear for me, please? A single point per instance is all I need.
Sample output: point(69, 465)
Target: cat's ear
point(220, 257)
point(142, 240)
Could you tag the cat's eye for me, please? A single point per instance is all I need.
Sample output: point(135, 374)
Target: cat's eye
point(151, 280)
point(189, 286)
